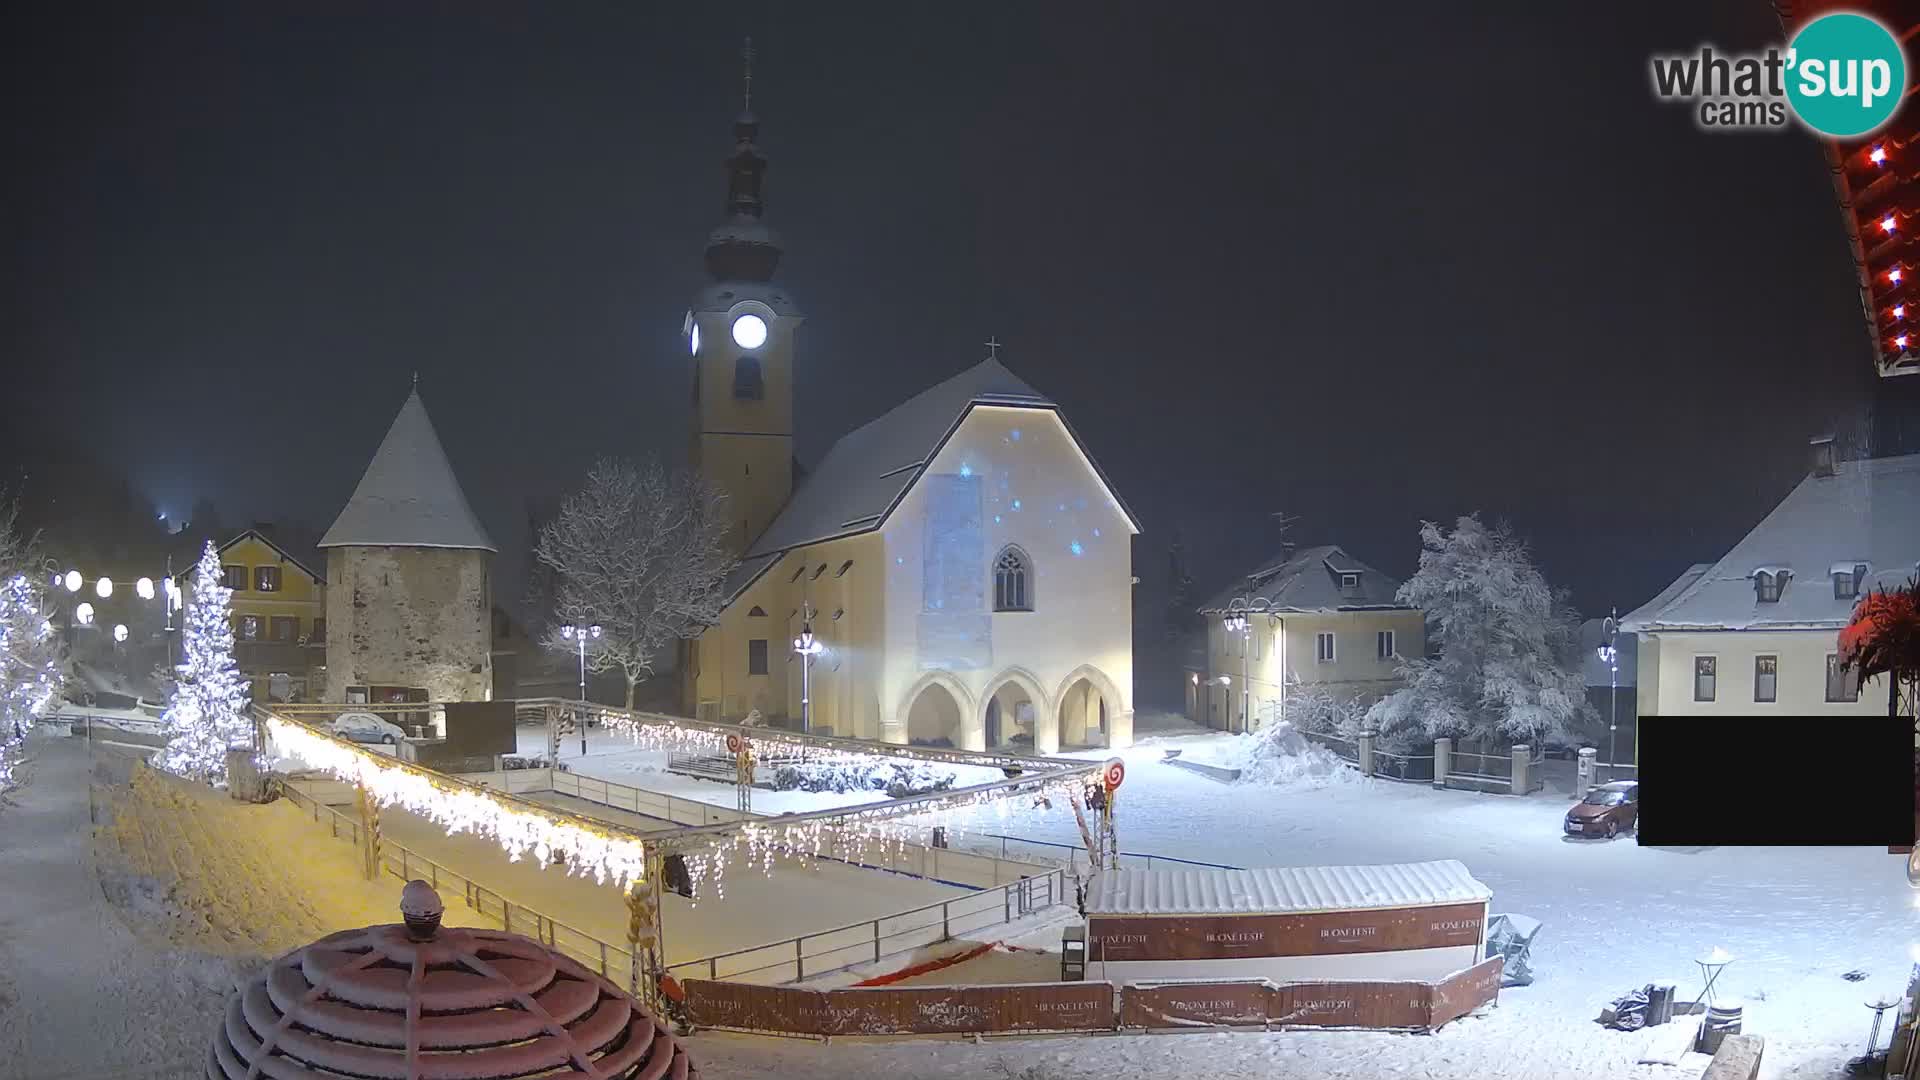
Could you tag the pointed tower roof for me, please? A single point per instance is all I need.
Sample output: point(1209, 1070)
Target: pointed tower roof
point(409, 496)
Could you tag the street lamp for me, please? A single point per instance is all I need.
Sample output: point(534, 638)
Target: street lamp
point(1236, 623)
point(807, 647)
point(581, 635)
point(1611, 657)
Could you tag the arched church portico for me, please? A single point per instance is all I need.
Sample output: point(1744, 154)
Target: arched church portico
point(1013, 705)
point(937, 706)
point(1090, 712)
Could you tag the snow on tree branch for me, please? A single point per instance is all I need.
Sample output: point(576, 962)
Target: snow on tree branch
point(1508, 666)
point(641, 553)
point(207, 712)
point(32, 672)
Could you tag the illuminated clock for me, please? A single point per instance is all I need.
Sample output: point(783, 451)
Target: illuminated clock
point(749, 331)
point(693, 339)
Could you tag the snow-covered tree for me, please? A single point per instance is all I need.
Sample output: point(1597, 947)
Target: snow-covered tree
point(1507, 670)
point(31, 672)
point(640, 553)
point(207, 712)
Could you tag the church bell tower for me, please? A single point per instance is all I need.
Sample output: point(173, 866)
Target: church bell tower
point(740, 333)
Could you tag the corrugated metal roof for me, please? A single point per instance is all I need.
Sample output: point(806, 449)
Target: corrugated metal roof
point(1867, 511)
point(1282, 889)
point(408, 496)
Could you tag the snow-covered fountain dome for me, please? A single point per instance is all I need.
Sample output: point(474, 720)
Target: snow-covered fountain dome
point(419, 1001)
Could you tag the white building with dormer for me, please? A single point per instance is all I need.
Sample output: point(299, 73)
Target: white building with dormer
point(1756, 632)
point(961, 564)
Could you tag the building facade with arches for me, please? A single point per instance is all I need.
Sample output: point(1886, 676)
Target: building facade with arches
point(961, 564)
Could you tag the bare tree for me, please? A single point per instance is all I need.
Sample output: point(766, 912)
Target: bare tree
point(641, 553)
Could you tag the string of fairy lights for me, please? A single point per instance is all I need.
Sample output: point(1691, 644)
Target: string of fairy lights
point(876, 833)
point(607, 854)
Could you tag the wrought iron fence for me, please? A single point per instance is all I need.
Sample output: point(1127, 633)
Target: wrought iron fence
point(1413, 768)
point(1348, 750)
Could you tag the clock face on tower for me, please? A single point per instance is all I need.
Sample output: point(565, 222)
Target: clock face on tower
point(749, 331)
point(693, 340)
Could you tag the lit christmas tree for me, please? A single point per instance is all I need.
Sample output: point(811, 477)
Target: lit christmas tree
point(207, 712)
point(31, 680)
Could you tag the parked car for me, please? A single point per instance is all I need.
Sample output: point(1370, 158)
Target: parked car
point(1608, 810)
point(368, 728)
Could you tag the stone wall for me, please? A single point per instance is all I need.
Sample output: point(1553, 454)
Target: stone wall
point(408, 616)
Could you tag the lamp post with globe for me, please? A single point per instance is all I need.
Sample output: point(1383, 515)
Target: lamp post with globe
point(1610, 656)
point(580, 635)
point(807, 647)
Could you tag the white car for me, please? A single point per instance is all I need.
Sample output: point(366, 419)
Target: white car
point(367, 728)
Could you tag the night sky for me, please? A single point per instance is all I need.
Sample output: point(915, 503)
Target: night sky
point(1363, 267)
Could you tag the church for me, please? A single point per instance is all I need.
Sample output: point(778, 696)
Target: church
point(957, 571)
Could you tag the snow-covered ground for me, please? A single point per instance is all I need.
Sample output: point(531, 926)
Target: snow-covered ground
point(616, 757)
point(1616, 916)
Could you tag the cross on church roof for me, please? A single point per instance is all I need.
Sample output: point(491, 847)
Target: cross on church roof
point(993, 348)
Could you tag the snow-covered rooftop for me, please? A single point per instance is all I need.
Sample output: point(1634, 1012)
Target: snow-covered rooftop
point(1309, 580)
point(1868, 512)
point(871, 468)
point(1282, 889)
point(409, 496)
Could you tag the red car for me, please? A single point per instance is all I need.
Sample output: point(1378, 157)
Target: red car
point(1608, 810)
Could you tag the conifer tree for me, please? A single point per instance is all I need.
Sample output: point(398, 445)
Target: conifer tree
point(207, 712)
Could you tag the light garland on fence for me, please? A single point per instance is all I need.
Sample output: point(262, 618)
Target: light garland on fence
point(607, 856)
point(859, 834)
point(666, 733)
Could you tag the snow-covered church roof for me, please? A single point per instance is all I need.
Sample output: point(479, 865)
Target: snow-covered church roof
point(1867, 512)
point(409, 496)
point(866, 474)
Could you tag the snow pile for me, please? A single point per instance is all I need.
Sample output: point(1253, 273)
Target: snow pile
point(1277, 755)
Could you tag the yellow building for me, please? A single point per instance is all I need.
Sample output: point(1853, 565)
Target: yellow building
point(1319, 617)
point(960, 564)
point(279, 617)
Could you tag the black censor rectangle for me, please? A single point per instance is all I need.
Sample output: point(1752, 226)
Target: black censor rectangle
point(1838, 781)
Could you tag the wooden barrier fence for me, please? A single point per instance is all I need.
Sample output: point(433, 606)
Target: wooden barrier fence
point(1091, 1006)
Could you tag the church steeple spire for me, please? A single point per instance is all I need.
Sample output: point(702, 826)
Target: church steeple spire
point(744, 249)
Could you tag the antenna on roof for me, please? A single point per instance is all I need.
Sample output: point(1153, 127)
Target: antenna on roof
point(746, 54)
point(993, 348)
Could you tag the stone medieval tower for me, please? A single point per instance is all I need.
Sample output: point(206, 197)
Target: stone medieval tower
point(409, 596)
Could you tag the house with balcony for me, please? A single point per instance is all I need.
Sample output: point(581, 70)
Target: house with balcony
point(1313, 617)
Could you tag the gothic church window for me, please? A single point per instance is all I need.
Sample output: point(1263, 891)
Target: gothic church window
point(1012, 580)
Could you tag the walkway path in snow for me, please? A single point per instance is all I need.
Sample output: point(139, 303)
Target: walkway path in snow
point(80, 995)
